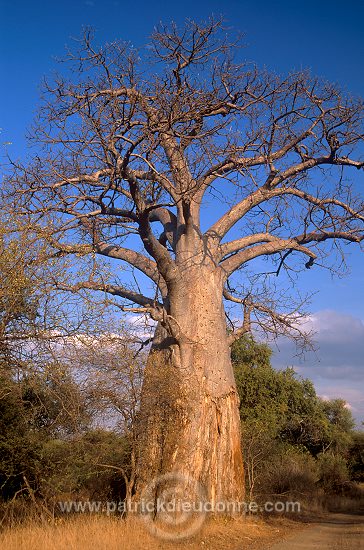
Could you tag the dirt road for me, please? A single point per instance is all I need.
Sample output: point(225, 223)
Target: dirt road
point(337, 532)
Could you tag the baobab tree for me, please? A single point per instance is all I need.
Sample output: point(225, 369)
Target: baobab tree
point(181, 167)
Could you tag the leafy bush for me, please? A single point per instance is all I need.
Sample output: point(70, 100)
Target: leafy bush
point(333, 472)
point(294, 443)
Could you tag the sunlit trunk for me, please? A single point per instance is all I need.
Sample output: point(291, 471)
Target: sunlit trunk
point(189, 420)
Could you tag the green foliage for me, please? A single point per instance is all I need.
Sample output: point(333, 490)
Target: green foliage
point(291, 470)
point(341, 425)
point(293, 440)
point(287, 406)
point(33, 409)
point(46, 442)
point(334, 472)
point(356, 457)
point(246, 351)
point(18, 304)
point(53, 402)
point(92, 466)
point(49, 446)
point(19, 447)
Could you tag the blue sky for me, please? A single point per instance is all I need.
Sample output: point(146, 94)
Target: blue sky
point(326, 37)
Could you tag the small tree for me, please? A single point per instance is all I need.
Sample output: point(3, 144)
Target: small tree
point(356, 457)
point(18, 301)
point(112, 368)
point(292, 438)
point(134, 154)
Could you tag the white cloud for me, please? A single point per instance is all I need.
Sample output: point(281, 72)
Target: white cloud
point(336, 367)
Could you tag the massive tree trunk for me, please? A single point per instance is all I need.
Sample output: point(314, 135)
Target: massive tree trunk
point(189, 414)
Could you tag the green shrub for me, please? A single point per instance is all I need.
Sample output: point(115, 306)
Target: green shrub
point(333, 472)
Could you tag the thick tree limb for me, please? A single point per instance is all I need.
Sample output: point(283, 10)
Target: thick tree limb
point(219, 229)
point(169, 222)
point(273, 245)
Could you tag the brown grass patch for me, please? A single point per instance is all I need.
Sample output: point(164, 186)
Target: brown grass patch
point(101, 533)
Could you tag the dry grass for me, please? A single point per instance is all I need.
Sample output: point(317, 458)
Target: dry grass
point(351, 502)
point(101, 533)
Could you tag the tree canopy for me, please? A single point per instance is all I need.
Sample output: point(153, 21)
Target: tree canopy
point(133, 146)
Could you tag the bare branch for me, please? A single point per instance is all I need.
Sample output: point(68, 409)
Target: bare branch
point(151, 306)
point(273, 246)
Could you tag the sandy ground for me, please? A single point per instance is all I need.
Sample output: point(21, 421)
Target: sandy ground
point(336, 532)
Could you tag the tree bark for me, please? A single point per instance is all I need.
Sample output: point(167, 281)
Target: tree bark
point(189, 420)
